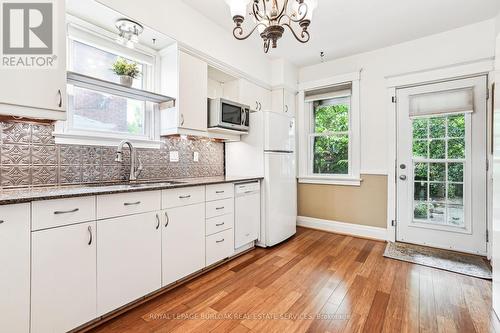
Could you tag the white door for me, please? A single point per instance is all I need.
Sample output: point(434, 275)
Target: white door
point(279, 132)
point(441, 165)
point(183, 242)
point(128, 259)
point(15, 269)
point(280, 188)
point(63, 278)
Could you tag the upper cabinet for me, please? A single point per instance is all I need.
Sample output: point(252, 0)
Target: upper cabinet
point(33, 72)
point(248, 93)
point(284, 101)
point(185, 77)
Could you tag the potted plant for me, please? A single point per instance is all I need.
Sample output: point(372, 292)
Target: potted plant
point(127, 71)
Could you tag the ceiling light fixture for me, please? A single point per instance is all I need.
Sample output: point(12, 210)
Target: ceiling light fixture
point(128, 32)
point(271, 16)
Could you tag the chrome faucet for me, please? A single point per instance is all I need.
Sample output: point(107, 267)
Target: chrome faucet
point(135, 171)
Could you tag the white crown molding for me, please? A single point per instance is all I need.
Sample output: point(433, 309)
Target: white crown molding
point(343, 228)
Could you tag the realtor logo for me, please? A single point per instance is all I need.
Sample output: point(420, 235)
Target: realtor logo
point(28, 34)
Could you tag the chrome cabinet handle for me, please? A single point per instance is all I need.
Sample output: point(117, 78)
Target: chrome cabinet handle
point(182, 119)
point(185, 196)
point(219, 224)
point(131, 203)
point(60, 98)
point(90, 235)
point(219, 192)
point(158, 222)
point(286, 108)
point(260, 107)
point(2, 221)
point(168, 219)
point(220, 241)
point(58, 212)
point(219, 208)
point(256, 106)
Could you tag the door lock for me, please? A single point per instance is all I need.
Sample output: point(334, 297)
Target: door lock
point(402, 177)
point(402, 166)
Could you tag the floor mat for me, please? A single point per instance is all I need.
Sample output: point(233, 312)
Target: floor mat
point(466, 264)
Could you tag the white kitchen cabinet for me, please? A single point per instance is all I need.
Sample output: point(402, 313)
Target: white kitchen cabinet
point(15, 269)
point(185, 78)
point(63, 282)
point(128, 259)
point(183, 242)
point(258, 98)
point(284, 101)
point(220, 246)
point(38, 92)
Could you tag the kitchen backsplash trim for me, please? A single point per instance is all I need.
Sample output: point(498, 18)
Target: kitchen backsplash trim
point(29, 156)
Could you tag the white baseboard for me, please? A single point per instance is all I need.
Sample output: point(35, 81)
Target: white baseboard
point(343, 228)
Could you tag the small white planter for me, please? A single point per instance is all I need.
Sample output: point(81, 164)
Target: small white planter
point(126, 80)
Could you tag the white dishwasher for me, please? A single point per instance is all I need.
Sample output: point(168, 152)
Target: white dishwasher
point(247, 213)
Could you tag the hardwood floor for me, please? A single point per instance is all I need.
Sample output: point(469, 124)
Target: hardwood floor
point(317, 282)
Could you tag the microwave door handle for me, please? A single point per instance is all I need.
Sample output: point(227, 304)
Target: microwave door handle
point(243, 117)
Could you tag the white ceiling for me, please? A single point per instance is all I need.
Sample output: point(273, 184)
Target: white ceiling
point(346, 27)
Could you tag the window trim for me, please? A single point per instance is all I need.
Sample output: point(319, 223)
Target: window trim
point(87, 33)
point(305, 133)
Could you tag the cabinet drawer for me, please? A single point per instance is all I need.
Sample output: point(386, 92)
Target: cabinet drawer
point(59, 212)
point(219, 246)
point(220, 191)
point(182, 196)
point(219, 223)
point(113, 205)
point(219, 207)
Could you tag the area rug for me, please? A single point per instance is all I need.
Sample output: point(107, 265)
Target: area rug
point(447, 260)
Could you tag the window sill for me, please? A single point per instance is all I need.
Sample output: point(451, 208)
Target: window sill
point(351, 181)
point(92, 140)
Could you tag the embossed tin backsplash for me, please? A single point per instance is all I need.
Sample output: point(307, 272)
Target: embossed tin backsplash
point(30, 157)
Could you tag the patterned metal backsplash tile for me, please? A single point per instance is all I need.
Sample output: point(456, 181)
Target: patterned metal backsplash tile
point(30, 157)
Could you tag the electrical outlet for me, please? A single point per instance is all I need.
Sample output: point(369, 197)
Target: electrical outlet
point(174, 156)
point(196, 156)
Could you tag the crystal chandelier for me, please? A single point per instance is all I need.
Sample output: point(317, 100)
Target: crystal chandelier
point(271, 17)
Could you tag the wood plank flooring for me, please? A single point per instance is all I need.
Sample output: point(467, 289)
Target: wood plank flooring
point(318, 282)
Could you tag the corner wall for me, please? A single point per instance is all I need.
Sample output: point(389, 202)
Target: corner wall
point(343, 203)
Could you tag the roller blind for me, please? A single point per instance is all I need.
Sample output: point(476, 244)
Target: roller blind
point(341, 90)
point(442, 102)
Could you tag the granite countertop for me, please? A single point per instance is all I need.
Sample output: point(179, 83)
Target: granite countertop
point(20, 195)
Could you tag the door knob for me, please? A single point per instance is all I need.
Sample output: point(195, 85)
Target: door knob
point(402, 166)
point(402, 177)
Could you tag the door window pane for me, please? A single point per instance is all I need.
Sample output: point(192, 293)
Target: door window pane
point(437, 127)
point(437, 213)
point(420, 128)
point(437, 172)
point(456, 194)
point(456, 215)
point(437, 192)
point(420, 171)
point(420, 148)
point(437, 149)
point(98, 111)
point(420, 191)
point(420, 211)
point(331, 154)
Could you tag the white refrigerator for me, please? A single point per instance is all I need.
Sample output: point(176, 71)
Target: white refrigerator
point(269, 151)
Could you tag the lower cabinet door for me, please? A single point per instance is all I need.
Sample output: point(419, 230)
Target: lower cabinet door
point(220, 246)
point(128, 259)
point(63, 277)
point(183, 243)
point(15, 268)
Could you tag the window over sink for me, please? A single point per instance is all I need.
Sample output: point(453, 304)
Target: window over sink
point(97, 114)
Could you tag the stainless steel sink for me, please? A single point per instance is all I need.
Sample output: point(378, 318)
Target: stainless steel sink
point(139, 184)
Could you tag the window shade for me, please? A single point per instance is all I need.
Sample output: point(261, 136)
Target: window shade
point(442, 102)
point(341, 90)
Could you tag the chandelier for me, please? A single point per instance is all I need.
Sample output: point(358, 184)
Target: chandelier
point(271, 17)
point(128, 32)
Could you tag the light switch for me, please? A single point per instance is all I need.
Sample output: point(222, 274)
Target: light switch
point(174, 156)
point(196, 156)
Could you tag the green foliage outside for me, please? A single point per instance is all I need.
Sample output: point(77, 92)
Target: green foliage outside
point(331, 153)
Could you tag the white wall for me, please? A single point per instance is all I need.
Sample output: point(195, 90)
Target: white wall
point(190, 28)
point(465, 44)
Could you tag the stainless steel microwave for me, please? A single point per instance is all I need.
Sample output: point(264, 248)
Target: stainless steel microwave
point(226, 114)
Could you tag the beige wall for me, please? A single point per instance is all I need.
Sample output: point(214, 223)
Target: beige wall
point(366, 204)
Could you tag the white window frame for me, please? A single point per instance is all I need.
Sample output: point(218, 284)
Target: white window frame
point(84, 32)
point(306, 133)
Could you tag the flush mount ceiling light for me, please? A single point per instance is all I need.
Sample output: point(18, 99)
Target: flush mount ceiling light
point(271, 16)
point(129, 32)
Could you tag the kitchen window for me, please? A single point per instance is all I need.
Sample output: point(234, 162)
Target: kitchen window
point(100, 115)
point(329, 134)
